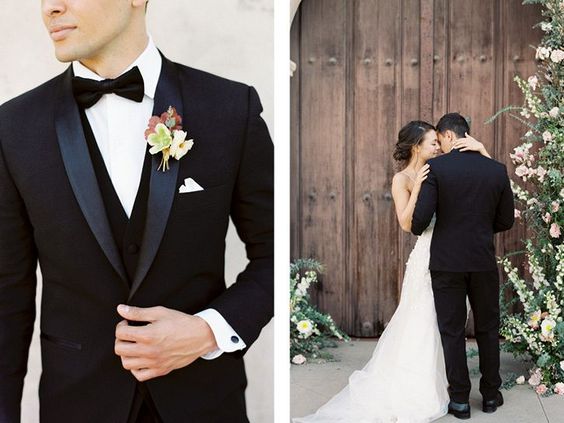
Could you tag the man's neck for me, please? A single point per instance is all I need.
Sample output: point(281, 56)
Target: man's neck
point(115, 61)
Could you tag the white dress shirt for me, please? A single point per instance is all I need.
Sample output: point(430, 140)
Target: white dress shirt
point(119, 125)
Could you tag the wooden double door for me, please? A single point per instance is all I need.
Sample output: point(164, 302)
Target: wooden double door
point(365, 68)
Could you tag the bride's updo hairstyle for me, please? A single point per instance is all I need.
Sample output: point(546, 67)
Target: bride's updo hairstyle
point(410, 135)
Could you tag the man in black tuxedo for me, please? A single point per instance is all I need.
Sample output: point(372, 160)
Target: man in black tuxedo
point(136, 322)
point(472, 199)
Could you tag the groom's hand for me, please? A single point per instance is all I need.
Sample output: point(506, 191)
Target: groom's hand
point(170, 340)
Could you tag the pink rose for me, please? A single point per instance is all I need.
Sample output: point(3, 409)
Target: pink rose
point(517, 214)
point(555, 206)
point(535, 378)
point(547, 217)
point(555, 230)
point(299, 359)
point(559, 388)
point(541, 389)
point(521, 171)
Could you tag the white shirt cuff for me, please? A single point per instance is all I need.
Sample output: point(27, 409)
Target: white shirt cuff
point(227, 339)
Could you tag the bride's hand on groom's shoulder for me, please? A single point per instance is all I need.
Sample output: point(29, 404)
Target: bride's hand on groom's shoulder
point(468, 143)
point(421, 176)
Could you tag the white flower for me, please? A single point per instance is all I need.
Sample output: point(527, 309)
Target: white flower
point(559, 388)
point(562, 193)
point(547, 136)
point(547, 328)
point(520, 380)
point(554, 112)
point(180, 146)
point(546, 26)
point(562, 364)
point(535, 319)
point(299, 359)
point(557, 56)
point(533, 81)
point(304, 327)
point(542, 53)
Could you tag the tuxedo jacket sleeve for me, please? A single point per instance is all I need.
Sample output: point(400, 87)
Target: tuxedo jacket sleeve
point(248, 304)
point(505, 212)
point(426, 205)
point(18, 263)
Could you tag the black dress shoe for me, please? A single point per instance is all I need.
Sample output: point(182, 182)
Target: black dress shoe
point(460, 410)
point(490, 406)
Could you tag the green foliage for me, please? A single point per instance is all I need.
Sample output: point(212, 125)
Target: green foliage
point(536, 329)
point(310, 330)
point(509, 381)
point(471, 353)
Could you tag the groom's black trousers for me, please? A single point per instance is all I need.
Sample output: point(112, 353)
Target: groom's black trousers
point(450, 290)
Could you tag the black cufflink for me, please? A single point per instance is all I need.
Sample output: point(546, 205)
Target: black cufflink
point(234, 339)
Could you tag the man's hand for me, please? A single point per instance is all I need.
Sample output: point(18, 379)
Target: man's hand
point(171, 340)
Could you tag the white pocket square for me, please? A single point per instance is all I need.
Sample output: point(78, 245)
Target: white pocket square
point(190, 185)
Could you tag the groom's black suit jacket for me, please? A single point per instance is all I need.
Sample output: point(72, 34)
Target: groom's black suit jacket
point(52, 210)
point(472, 198)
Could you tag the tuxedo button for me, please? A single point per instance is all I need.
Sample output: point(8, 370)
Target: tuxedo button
point(235, 339)
point(132, 249)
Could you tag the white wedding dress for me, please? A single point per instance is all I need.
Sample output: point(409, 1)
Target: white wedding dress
point(405, 380)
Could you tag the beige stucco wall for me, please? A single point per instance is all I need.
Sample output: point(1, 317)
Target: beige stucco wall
point(232, 38)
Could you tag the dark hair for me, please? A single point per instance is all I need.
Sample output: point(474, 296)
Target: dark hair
point(454, 122)
point(410, 135)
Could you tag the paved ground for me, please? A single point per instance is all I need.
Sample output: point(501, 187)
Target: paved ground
point(313, 384)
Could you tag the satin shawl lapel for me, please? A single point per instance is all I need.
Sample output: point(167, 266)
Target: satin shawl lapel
point(162, 184)
point(80, 172)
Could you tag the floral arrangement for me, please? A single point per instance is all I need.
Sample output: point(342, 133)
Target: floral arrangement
point(310, 330)
point(537, 330)
point(165, 135)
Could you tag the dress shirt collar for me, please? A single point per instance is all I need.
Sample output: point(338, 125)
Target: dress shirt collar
point(149, 64)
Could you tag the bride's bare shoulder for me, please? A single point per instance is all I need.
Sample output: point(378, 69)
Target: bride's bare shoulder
point(400, 179)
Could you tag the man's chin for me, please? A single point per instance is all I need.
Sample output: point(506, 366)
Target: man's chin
point(64, 55)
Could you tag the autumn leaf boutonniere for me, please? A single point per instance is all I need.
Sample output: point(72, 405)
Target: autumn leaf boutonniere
point(165, 135)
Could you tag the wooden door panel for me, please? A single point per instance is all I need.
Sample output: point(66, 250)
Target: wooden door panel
point(365, 68)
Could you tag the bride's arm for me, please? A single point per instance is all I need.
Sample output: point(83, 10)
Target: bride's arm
point(470, 143)
point(405, 200)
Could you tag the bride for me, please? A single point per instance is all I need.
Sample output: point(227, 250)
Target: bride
point(405, 379)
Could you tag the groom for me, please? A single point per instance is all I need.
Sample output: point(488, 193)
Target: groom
point(472, 199)
point(136, 322)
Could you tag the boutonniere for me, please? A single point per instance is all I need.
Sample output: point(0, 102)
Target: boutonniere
point(165, 135)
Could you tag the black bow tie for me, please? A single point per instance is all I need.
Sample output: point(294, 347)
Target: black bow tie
point(130, 85)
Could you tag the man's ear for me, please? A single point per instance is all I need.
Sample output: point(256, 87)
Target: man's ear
point(450, 135)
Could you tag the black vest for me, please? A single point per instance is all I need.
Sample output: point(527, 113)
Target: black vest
point(128, 234)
